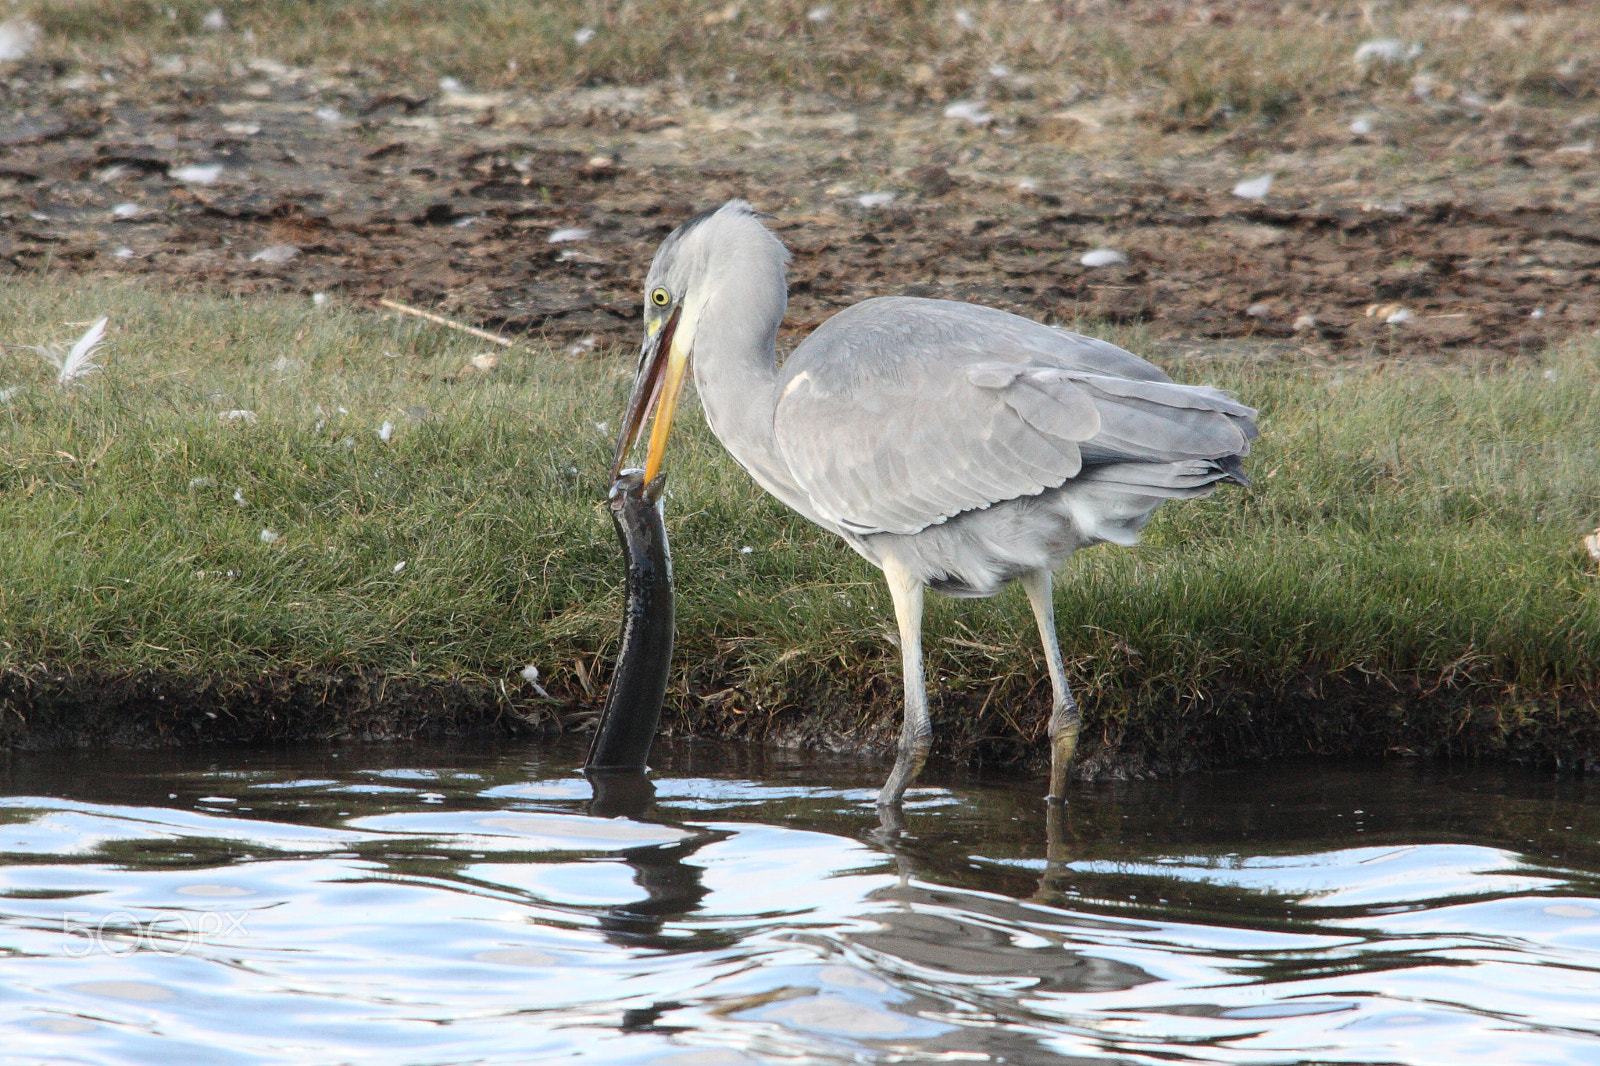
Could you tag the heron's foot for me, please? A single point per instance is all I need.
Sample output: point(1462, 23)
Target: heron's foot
point(1057, 853)
point(891, 826)
point(907, 765)
point(1063, 747)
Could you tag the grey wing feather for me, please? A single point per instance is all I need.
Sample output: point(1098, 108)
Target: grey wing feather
point(912, 456)
point(898, 413)
point(1165, 422)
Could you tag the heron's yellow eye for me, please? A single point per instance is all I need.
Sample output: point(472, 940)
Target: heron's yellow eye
point(661, 297)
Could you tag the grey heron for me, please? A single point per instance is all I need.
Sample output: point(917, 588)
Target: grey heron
point(956, 447)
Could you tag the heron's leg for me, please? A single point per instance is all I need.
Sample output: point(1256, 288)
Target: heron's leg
point(1064, 719)
point(916, 734)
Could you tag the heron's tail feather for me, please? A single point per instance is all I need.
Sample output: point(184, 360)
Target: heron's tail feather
point(1183, 480)
point(1233, 467)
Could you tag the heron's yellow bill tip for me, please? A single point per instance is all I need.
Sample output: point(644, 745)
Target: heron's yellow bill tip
point(677, 364)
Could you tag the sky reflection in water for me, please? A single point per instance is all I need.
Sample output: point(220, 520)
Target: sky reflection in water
point(406, 904)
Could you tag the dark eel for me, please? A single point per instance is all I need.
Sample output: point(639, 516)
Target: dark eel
point(639, 680)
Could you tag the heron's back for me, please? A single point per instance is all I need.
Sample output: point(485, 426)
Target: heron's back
point(892, 336)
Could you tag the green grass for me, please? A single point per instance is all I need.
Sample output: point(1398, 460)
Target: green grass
point(1420, 525)
point(1247, 62)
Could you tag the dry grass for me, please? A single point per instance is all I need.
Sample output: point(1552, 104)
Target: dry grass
point(1186, 64)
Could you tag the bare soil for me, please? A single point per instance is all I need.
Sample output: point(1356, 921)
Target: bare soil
point(1479, 221)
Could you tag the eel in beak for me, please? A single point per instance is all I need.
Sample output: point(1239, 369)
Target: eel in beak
point(632, 709)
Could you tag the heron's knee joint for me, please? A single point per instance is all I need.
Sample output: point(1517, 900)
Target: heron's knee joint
point(916, 742)
point(1065, 720)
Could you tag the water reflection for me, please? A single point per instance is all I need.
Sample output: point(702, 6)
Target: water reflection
point(673, 887)
point(489, 905)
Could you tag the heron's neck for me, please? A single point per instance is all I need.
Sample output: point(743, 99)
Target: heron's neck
point(736, 372)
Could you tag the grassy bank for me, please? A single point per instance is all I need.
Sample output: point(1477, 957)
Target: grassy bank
point(1406, 573)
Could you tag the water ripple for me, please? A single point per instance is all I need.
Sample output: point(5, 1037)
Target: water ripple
point(471, 908)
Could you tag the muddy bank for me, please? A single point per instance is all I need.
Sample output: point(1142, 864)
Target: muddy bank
point(1332, 717)
point(539, 213)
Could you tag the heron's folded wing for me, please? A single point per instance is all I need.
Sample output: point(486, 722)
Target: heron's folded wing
point(1164, 422)
point(901, 452)
point(905, 451)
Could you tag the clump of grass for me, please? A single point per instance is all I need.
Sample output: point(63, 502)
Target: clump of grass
point(1412, 524)
point(1246, 62)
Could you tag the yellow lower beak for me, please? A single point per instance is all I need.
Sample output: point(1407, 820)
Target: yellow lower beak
point(677, 363)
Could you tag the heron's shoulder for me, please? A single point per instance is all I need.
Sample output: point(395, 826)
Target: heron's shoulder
point(902, 332)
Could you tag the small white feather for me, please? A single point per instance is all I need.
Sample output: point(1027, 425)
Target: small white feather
point(1386, 50)
point(1254, 189)
point(79, 362)
point(277, 253)
point(530, 674)
point(969, 111)
point(198, 174)
point(1101, 257)
point(17, 38)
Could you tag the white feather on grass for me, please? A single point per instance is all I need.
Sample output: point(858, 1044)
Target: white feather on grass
point(79, 361)
point(530, 674)
point(6, 394)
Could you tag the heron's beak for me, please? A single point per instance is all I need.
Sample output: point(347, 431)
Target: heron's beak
point(656, 385)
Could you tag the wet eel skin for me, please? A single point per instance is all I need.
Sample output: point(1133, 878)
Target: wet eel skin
point(639, 681)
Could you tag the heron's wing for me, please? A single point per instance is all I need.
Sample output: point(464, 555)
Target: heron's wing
point(893, 423)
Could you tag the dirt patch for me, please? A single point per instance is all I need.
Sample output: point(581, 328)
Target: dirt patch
point(1438, 228)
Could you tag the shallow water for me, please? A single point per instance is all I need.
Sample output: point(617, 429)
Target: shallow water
point(465, 904)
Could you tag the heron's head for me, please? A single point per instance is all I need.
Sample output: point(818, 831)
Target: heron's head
point(723, 251)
